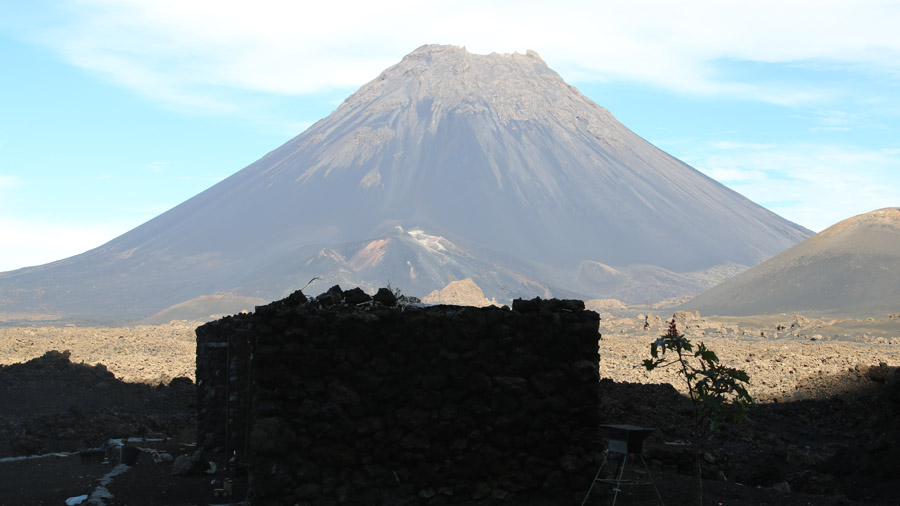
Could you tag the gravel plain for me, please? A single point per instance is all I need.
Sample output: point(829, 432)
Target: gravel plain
point(788, 357)
point(835, 444)
point(142, 354)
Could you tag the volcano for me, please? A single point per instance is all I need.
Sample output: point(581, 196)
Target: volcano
point(448, 165)
point(848, 268)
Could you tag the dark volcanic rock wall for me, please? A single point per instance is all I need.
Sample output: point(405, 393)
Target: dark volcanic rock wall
point(376, 404)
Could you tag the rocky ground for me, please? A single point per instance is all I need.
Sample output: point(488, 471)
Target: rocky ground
point(825, 430)
point(149, 354)
point(787, 357)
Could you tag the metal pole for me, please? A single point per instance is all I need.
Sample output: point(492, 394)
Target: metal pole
point(596, 477)
point(227, 397)
point(649, 475)
point(619, 479)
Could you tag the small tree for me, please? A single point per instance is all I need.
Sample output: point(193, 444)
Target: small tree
point(715, 391)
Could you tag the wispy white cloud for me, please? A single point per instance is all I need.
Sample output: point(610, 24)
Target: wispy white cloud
point(158, 166)
point(837, 120)
point(741, 145)
point(813, 185)
point(25, 243)
point(204, 55)
point(205, 178)
point(192, 54)
point(734, 174)
point(9, 181)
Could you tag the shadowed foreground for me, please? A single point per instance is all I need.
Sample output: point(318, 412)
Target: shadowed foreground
point(843, 450)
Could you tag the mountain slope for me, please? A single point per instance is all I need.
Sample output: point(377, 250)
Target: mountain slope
point(494, 153)
point(850, 267)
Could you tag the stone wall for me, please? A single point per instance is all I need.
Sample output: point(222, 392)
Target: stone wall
point(347, 400)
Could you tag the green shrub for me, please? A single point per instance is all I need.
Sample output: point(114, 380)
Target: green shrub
point(716, 391)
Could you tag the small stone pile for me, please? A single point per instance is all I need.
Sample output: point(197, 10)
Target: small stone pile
point(352, 399)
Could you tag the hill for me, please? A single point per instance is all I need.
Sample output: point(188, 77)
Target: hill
point(852, 267)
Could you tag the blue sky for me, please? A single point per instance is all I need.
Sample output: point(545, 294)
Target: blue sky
point(113, 111)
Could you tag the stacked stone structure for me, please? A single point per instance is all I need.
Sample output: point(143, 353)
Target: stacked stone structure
point(350, 399)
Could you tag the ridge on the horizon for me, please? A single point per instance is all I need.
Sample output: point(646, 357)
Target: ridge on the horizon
point(440, 48)
point(520, 86)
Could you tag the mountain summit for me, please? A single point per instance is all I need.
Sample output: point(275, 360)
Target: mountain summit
point(448, 165)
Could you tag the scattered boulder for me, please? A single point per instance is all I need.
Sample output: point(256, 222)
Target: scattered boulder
point(880, 373)
point(356, 296)
point(385, 297)
point(190, 463)
point(332, 297)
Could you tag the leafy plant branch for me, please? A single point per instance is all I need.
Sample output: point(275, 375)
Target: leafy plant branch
point(715, 390)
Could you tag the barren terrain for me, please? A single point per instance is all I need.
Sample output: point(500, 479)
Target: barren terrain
point(788, 357)
point(824, 431)
point(143, 354)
